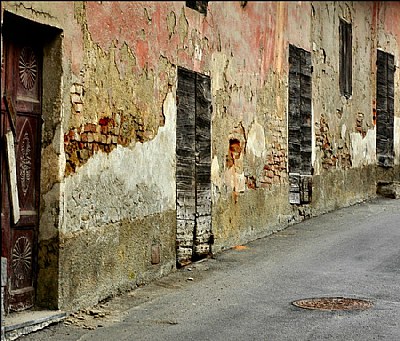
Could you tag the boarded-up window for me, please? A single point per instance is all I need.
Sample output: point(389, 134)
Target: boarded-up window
point(385, 109)
point(193, 174)
point(345, 62)
point(299, 125)
point(200, 6)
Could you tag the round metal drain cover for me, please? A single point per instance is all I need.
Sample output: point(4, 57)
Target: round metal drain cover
point(333, 303)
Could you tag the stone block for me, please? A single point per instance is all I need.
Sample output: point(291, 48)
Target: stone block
point(388, 189)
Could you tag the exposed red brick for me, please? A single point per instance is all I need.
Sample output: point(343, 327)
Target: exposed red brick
point(90, 127)
point(104, 121)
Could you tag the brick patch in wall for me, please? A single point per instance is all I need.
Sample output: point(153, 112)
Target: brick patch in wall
point(81, 143)
point(332, 157)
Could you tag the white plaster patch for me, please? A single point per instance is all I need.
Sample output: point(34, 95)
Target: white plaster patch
point(229, 178)
point(343, 133)
point(197, 52)
point(235, 182)
point(240, 182)
point(127, 183)
point(363, 150)
point(217, 71)
point(256, 140)
point(215, 177)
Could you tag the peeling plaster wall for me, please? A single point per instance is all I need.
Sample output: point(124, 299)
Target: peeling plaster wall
point(344, 129)
point(388, 37)
point(116, 192)
point(335, 117)
point(108, 160)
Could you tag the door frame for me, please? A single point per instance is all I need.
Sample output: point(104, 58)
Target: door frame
point(48, 39)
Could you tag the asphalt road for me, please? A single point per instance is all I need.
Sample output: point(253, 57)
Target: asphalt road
point(246, 293)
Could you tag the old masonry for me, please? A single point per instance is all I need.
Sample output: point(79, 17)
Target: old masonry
point(138, 137)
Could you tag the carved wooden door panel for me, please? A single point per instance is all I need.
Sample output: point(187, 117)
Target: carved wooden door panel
point(21, 114)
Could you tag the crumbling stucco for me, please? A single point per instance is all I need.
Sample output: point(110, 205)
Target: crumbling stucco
point(108, 183)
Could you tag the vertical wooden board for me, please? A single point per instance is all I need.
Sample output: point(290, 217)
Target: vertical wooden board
point(185, 137)
point(294, 188)
point(306, 189)
point(203, 119)
point(193, 165)
point(186, 106)
point(185, 175)
point(305, 63)
point(184, 241)
point(345, 58)
point(305, 85)
point(185, 163)
point(342, 56)
point(381, 103)
point(203, 203)
point(385, 108)
point(186, 205)
point(299, 116)
point(184, 233)
point(202, 245)
point(295, 159)
point(203, 165)
point(294, 59)
point(203, 176)
point(12, 171)
point(382, 65)
point(349, 59)
point(294, 106)
point(390, 92)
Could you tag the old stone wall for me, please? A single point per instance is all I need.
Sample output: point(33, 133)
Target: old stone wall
point(108, 187)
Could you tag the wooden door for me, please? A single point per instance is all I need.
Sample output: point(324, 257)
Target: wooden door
point(299, 126)
point(21, 114)
point(385, 108)
point(193, 175)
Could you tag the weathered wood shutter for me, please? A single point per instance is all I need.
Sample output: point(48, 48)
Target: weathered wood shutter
point(345, 55)
point(299, 125)
point(193, 150)
point(202, 233)
point(385, 109)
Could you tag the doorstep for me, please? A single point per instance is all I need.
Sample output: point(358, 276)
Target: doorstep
point(25, 322)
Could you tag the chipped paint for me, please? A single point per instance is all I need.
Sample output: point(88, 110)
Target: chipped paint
point(256, 140)
point(109, 127)
point(363, 150)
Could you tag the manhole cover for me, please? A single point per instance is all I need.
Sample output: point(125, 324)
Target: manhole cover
point(333, 303)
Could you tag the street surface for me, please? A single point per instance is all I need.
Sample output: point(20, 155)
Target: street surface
point(246, 293)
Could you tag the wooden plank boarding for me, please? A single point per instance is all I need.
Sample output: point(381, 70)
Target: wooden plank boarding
point(12, 171)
